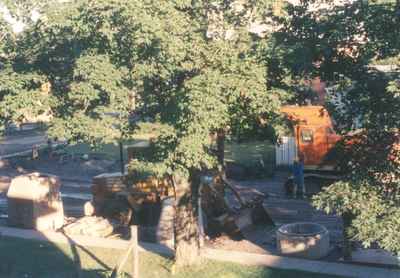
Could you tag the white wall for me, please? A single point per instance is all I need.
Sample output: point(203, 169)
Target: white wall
point(286, 152)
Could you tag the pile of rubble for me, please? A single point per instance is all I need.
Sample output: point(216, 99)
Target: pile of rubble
point(90, 226)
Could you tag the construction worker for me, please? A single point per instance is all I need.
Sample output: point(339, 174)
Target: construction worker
point(298, 177)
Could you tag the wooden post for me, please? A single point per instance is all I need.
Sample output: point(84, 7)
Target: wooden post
point(134, 249)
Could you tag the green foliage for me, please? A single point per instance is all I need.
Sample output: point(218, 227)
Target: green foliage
point(205, 85)
point(371, 161)
point(375, 217)
point(21, 96)
point(371, 102)
point(191, 69)
point(90, 97)
point(337, 44)
point(97, 105)
point(318, 39)
point(371, 191)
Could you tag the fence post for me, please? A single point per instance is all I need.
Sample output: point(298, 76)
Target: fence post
point(135, 251)
point(132, 249)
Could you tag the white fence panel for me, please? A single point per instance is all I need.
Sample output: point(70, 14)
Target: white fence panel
point(286, 152)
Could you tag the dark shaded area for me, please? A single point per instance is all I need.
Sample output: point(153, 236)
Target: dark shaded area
point(34, 259)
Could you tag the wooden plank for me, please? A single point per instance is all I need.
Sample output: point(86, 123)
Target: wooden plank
point(135, 251)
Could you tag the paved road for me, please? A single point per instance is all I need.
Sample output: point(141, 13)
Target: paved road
point(74, 194)
point(20, 143)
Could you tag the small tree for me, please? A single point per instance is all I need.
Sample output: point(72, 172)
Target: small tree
point(327, 41)
point(369, 195)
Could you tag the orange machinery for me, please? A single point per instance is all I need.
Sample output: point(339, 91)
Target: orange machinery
point(314, 134)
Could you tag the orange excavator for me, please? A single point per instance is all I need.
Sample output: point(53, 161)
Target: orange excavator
point(315, 139)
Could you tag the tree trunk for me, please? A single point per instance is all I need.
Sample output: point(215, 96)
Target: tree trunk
point(121, 157)
point(187, 249)
point(221, 147)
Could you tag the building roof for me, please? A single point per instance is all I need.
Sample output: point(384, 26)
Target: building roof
point(308, 115)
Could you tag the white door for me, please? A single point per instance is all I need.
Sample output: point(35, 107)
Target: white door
point(286, 152)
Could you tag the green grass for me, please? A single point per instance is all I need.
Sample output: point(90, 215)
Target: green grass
point(243, 153)
point(106, 151)
point(248, 153)
point(31, 259)
point(258, 157)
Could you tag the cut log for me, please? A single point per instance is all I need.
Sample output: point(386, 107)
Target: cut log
point(235, 192)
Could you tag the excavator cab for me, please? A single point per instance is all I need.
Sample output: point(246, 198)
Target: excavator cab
point(314, 135)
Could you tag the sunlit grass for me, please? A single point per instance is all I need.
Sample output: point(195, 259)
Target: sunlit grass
point(28, 259)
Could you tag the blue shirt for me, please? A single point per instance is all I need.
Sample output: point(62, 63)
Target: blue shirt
point(298, 171)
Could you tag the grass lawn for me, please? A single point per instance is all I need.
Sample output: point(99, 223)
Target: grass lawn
point(107, 151)
point(33, 259)
point(248, 153)
point(258, 157)
point(244, 153)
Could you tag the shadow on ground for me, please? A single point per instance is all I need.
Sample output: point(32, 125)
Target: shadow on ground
point(21, 258)
point(34, 259)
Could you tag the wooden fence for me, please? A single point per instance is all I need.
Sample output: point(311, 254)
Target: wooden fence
point(132, 249)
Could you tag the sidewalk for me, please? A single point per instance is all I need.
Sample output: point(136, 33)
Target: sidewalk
point(20, 143)
point(340, 269)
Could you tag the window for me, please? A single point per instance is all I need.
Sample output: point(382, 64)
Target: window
point(306, 135)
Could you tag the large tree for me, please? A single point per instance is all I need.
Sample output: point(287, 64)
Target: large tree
point(210, 81)
point(190, 69)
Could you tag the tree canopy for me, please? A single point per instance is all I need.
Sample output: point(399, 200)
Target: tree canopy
point(99, 53)
point(104, 69)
